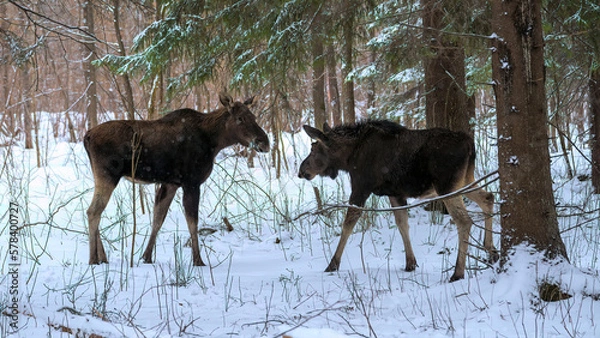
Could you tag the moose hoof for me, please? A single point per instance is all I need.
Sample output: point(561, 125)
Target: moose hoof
point(410, 266)
point(332, 267)
point(199, 262)
point(98, 262)
point(455, 277)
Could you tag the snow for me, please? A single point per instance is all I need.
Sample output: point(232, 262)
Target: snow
point(265, 278)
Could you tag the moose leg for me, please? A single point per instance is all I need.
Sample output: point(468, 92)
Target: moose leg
point(191, 198)
point(162, 201)
point(102, 191)
point(459, 214)
point(352, 216)
point(401, 217)
point(485, 200)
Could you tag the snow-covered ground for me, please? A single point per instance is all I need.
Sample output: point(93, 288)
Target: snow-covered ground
point(265, 278)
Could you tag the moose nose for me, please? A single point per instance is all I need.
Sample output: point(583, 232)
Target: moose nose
point(303, 174)
point(262, 146)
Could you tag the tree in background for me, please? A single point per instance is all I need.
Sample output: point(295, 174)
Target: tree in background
point(127, 91)
point(528, 212)
point(572, 52)
point(89, 56)
point(575, 55)
point(318, 64)
point(594, 92)
point(446, 99)
point(348, 25)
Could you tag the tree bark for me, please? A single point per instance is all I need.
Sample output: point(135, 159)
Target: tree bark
point(527, 209)
point(26, 97)
point(594, 93)
point(347, 66)
point(127, 96)
point(318, 68)
point(332, 84)
point(89, 55)
point(446, 99)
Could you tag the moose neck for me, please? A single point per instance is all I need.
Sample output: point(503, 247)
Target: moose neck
point(343, 156)
point(215, 124)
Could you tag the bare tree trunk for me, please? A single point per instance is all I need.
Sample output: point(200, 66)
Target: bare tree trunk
point(445, 89)
point(332, 85)
point(156, 93)
point(594, 93)
point(347, 66)
point(528, 212)
point(127, 97)
point(26, 104)
point(89, 55)
point(318, 75)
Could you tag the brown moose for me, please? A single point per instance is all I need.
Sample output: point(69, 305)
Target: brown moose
point(177, 150)
point(386, 159)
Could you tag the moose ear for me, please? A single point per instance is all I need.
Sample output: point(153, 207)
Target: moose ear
point(326, 127)
point(226, 100)
point(251, 101)
point(315, 133)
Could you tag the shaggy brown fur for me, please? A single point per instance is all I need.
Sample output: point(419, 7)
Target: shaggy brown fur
point(177, 150)
point(386, 159)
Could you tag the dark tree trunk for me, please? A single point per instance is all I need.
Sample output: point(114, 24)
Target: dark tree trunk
point(594, 93)
point(347, 66)
point(446, 99)
point(528, 213)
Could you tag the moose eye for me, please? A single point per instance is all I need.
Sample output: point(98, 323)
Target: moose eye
point(239, 120)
